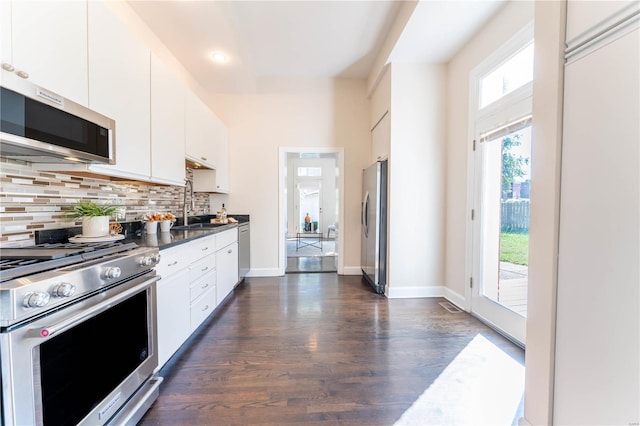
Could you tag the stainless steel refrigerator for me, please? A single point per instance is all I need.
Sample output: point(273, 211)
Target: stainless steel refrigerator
point(374, 225)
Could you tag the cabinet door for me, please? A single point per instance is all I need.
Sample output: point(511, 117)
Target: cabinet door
point(49, 43)
point(226, 270)
point(222, 157)
point(174, 316)
point(6, 52)
point(199, 128)
point(119, 87)
point(167, 125)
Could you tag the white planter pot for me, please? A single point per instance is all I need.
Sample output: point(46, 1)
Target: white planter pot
point(95, 226)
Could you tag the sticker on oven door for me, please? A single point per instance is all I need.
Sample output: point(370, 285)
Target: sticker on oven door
point(110, 405)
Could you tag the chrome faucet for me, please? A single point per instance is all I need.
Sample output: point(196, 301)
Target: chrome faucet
point(185, 210)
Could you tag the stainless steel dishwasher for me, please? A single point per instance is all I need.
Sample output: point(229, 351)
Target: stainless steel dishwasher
point(244, 251)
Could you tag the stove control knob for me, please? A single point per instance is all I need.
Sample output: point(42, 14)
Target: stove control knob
point(64, 290)
point(112, 273)
point(146, 261)
point(37, 299)
point(156, 258)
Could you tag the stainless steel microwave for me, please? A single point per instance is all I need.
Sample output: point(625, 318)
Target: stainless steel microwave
point(40, 126)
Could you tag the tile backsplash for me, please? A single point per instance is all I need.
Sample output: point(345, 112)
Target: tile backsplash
point(34, 200)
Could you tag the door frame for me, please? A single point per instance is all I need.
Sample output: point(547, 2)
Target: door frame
point(492, 116)
point(282, 200)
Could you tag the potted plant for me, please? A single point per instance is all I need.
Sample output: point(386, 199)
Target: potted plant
point(95, 218)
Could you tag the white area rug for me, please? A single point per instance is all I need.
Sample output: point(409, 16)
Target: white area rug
point(481, 386)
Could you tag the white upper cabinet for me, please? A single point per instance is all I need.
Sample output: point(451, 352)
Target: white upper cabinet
point(167, 125)
point(6, 53)
point(221, 142)
point(207, 143)
point(200, 126)
point(215, 180)
point(119, 87)
point(46, 42)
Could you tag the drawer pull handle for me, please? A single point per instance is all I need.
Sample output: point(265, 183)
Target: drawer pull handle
point(230, 251)
point(174, 263)
point(205, 249)
point(206, 308)
point(205, 268)
point(206, 285)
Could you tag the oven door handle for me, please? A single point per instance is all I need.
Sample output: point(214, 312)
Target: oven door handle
point(49, 331)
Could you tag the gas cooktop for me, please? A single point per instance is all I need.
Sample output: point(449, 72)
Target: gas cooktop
point(23, 261)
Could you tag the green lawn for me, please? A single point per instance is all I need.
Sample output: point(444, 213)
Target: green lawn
point(514, 248)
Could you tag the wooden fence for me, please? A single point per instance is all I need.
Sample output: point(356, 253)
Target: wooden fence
point(515, 216)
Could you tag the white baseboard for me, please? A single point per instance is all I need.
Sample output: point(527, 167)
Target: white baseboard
point(413, 292)
point(455, 298)
point(351, 270)
point(264, 272)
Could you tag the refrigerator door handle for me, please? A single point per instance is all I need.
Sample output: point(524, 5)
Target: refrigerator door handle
point(365, 214)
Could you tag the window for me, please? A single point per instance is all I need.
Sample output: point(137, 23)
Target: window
point(310, 171)
point(511, 75)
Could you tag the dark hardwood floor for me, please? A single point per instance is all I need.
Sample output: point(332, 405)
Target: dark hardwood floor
point(312, 349)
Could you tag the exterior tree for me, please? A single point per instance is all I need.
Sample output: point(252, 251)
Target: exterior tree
point(511, 164)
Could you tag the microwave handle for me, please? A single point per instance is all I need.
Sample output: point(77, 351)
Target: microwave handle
point(48, 331)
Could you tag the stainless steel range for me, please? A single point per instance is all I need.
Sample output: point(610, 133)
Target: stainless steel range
point(78, 339)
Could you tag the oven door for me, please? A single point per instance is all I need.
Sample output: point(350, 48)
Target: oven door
point(83, 363)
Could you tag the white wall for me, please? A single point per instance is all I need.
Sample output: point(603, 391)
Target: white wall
point(293, 113)
point(417, 180)
point(545, 202)
point(511, 18)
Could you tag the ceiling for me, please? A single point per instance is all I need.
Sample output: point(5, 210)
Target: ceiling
point(303, 39)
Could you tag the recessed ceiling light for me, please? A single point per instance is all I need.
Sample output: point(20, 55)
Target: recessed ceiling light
point(219, 57)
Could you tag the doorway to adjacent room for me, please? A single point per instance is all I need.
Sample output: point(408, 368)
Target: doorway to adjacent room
point(310, 210)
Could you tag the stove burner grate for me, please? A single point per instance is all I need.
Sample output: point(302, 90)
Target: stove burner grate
point(20, 262)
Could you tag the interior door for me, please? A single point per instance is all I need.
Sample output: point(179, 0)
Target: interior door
point(501, 228)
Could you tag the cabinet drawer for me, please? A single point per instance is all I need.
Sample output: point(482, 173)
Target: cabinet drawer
point(202, 247)
point(172, 260)
point(202, 267)
point(225, 238)
point(202, 285)
point(202, 308)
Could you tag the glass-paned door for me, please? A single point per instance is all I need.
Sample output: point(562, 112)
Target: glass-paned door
point(310, 205)
point(502, 227)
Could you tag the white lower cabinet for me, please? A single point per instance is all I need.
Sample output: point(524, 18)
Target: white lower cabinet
point(227, 263)
point(196, 277)
point(174, 324)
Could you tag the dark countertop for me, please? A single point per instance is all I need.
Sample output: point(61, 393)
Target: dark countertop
point(164, 240)
point(134, 232)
